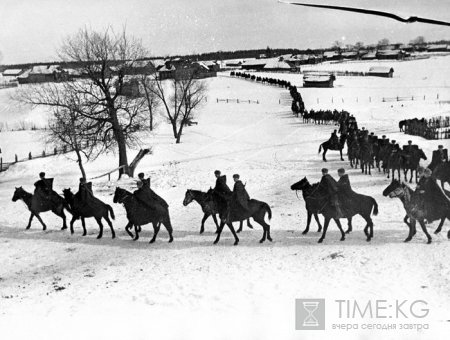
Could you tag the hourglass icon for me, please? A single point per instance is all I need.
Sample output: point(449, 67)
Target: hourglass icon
point(310, 307)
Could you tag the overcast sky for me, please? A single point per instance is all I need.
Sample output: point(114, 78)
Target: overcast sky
point(31, 30)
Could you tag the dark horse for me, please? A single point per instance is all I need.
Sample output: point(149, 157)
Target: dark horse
point(256, 209)
point(413, 210)
point(442, 173)
point(328, 146)
point(36, 206)
point(310, 207)
point(81, 210)
point(320, 202)
point(208, 206)
point(411, 161)
point(139, 214)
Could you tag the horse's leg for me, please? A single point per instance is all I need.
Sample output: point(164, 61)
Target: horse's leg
point(29, 221)
point(439, 228)
point(316, 217)
point(350, 227)
point(340, 150)
point(63, 216)
point(44, 227)
point(240, 227)
point(308, 221)
point(106, 217)
point(215, 221)
point(412, 229)
point(424, 229)
point(127, 229)
point(325, 227)
point(168, 225)
point(72, 221)
point(324, 154)
point(340, 229)
point(83, 223)
point(99, 222)
point(236, 239)
point(137, 229)
point(156, 228)
point(222, 224)
point(368, 230)
point(202, 227)
point(249, 224)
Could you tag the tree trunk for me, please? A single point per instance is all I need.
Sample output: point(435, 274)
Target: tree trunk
point(121, 144)
point(136, 160)
point(80, 162)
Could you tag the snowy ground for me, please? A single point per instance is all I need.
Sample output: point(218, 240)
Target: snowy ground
point(79, 287)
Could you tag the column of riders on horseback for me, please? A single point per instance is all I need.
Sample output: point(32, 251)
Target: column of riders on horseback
point(332, 199)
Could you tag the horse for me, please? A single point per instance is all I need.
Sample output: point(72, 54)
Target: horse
point(209, 208)
point(442, 173)
point(36, 206)
point(320, 201)
point(256, 210)
point(328, 146)
point(81, 210)
point(366, 157)
point(413, 210)
point(411, 161)
point(353, 154)
point(394, 163)
point(139, 214)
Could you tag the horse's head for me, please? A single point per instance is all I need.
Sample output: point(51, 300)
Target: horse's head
point(188, 197)
point(19, 193)
point(394, 189)
point(68, 194)
point(300, 185)
point(119, 195)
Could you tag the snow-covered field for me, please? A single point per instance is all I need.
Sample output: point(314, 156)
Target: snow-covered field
point(79, 287)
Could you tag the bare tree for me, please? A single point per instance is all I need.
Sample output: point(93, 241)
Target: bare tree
point(69, 130)
point(105, 58)
point(152, 100)
point(180, 97)
point(420, 40)
point(383, 42)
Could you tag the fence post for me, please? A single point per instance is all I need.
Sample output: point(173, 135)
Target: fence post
point(217, 100)
point(55, 151)
point(279, 101)
point(237, 100)
point(342, 99)
point(423, 97)
point(29, 155)
point(109, 177)
point(437, 97)
point(370, 99)
point(257, 101)
point(15, 158)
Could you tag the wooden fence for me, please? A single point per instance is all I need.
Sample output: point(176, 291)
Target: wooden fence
point(5, 165)
point(238, 101)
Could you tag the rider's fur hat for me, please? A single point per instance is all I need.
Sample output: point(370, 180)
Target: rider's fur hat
point(324, 171)
point(341, 171)
point(236, 176)
point(440, 146)
point(141, 175)
point(410, 142)
point(217, 172)
point(42, 174)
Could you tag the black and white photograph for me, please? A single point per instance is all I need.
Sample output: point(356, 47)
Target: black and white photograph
point(261, 169)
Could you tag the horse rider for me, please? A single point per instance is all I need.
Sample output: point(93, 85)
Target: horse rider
point(240, 195)
point(145, 181)
point(331, 186)
point(148, 197)
point(435, 202)
point(409, 149)
point(439, 156)
point(345, 191)
point(221, 187)
point(44, 189)
point(383, 141)
point(85, 190)
point(334, 139)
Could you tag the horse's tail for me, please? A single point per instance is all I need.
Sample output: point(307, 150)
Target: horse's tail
point(320, 148)
point(375, 206)
point(111, 211)
point(67, 207)
point(267, 208)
